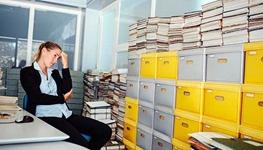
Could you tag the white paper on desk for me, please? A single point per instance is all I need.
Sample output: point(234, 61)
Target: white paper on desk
point(206, 138)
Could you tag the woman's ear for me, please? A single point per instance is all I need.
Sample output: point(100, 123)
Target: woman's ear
point(44, 50)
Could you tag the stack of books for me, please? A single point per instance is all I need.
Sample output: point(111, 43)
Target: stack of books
point(104, 83)
point(8, 109)
point(98, 110)
point(191, 30)
point(141, 38)
point(1, 78)
point(235, 21)
point(175, 33)
point(162, 34)
point(91, 87)
point(119, 93)
point(132, 37)
point(211, 27)
point(113, 145)
point(255, 20)
point(112, 124)
point(151, 34)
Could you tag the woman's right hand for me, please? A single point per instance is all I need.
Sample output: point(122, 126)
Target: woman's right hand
point(64, 59)
point(68, 95)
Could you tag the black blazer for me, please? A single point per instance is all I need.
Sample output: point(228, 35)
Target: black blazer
point(31, 79)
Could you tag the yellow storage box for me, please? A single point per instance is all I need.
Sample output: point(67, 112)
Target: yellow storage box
point(129, 145)
point(184, 126)
point(131, 109)
point(148, 65)
point(251, 133)
point(252, 106)
point(222, 101)
point(189, 96)
point(167, 65)
point(130, 130)
point(179, 145)
point(254, 63)
point(216, 125)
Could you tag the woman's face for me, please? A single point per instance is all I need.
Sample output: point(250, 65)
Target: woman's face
point(51, 56)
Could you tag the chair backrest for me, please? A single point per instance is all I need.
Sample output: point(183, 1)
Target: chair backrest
point(25, 102)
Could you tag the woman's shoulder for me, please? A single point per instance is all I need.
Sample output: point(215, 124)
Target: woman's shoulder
point(29, 70)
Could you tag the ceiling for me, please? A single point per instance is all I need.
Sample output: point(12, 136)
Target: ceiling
point(98, 4)
point(92, 4)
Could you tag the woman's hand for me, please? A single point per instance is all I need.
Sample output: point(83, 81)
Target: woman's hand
point(64, 59)
point(68, 95)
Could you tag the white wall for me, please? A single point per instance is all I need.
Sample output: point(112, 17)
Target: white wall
point(90, 43)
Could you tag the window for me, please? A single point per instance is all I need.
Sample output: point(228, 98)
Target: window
point(57, 27)
point(13, 32)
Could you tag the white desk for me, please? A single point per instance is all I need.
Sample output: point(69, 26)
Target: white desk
point(61, 145)
point(36, 131)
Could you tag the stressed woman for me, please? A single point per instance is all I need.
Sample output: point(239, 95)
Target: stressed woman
point(48, 93)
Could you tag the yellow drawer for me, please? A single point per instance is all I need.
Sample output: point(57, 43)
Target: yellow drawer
point(215, 125)
point(129, 131)
point(129, 145)
point(222, 101)
point(251, 133)
point(148, 65)
point(254, 63)
point(252, 106)
point(131, 109)
point(167, 65)
point(179, 145)
point(189, 96)
point(183, 127)
point(138, 148)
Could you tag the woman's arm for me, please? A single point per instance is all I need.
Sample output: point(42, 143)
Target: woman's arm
point(66, 78)
point(29, 83)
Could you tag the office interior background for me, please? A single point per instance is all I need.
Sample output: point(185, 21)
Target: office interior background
point(93, 32)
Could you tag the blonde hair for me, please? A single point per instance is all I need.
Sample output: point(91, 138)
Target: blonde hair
point(48, 45)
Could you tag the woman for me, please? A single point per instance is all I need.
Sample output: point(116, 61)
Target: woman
point(48, 93)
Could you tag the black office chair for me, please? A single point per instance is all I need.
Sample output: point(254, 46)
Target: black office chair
point(25, 107)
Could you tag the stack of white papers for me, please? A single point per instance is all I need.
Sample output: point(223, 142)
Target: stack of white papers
point(235, 21)
point(175, 33)
point(211, 27)
point(141, 32)
point(132, 37)
point(151, 35)
point(256, 20)
point(162, 34)
point(191, 30)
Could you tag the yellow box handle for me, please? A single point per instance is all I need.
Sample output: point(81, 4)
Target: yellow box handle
point(142, 135)
point(189, 62)
point(129, 106)
point(166, 62)
point(128, 128)
point(252, 52)
point(186, 93)
point(163, 90)
point(219, 98)
point(145, 87)
point(146, 62)
point(161, 117)
point(222, 60)
point(260, 103)
point(160, 144)
point(185, 125)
